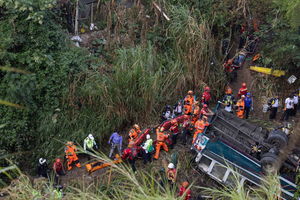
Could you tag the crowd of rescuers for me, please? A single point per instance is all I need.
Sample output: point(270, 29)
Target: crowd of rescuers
point(188, 118)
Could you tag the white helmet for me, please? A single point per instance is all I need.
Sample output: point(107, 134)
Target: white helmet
point(42, 161)
point(171, 166)
point(91, 136)
point(147, 136)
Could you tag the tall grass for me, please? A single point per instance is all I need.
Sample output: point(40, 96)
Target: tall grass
point(195, 46)
point(269, 189)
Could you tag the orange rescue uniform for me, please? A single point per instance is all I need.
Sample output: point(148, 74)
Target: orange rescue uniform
point(199, 128)
point(133, 134)
point(71, 156)
point(241, 108)
point(161, 138)
point(188, 103)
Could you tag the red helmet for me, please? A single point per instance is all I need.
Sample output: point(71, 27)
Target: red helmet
point(205, 106)
point(207, 89)
point(57, 160)
point(244, 85)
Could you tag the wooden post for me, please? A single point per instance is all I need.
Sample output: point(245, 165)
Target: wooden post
point(76, 17)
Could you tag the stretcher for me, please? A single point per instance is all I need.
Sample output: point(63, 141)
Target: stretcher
point(100, 164)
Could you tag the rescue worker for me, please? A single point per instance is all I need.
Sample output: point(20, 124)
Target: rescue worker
point(186, 131)
point(160, 141)
point(70, 150)
point(196, 111)
point(89, 144)
point(243, 90)
point(58, 169)
point(42, 168)
point(273, 107)
point(184, 191)
point(115, 141)
point(148, 149)
point(240, 107)
point(130, 154)
point(205, 111)
point(228, 100)
point(248, 104)
point(171, 173)
point(288, 107)
point(188, 102)
point(134, 132)
point(200, 125)
point(174, 130)
point(205, 99)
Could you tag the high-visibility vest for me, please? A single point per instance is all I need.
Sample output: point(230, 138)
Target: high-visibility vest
point(89, 142)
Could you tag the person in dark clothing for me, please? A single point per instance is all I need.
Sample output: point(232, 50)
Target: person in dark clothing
point(248, 104)
point(42, 169)
point(185, 131)
point(273, 107)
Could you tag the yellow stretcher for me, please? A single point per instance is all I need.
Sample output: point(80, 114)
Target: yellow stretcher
point(269, 71)
point(100, 164)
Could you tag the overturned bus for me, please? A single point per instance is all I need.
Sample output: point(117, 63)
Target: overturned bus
point(234, 146)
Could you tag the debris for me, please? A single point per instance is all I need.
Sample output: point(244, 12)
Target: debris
point(292, 79)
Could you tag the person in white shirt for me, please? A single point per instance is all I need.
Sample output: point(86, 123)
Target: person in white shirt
point(273, 107)
point(288, 107)
point(296, 101)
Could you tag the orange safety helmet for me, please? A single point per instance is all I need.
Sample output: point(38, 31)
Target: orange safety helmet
point(190, 92)
point(244, 85)
point(207, 89)
point(69, 143)
point(229, 91)
point(136, 126)
point(185, 184)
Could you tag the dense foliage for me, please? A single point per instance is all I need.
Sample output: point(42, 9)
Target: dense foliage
point(129, 74)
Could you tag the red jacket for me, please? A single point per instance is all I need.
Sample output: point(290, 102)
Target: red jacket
point(206, 97)
point(167, 125)
point(182, 190)
point(130, 153)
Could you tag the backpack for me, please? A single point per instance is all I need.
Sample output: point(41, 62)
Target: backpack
point(150, 148)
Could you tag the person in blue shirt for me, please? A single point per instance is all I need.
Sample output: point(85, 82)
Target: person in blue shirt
point(115, 140)
point(248, 104)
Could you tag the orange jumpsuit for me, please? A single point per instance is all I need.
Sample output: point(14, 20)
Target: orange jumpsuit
point(133, 133)
point(196, 113)
point(188, 103)
point(71, 157)
point(199, 128)
point(161, 138)
point(241, 108)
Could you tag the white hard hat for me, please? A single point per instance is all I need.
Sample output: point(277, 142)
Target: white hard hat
point(147, 136)
point(91, 136)
point(42, 161)
point(171, 166)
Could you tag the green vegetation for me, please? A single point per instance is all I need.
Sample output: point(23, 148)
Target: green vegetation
point(140, 63)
